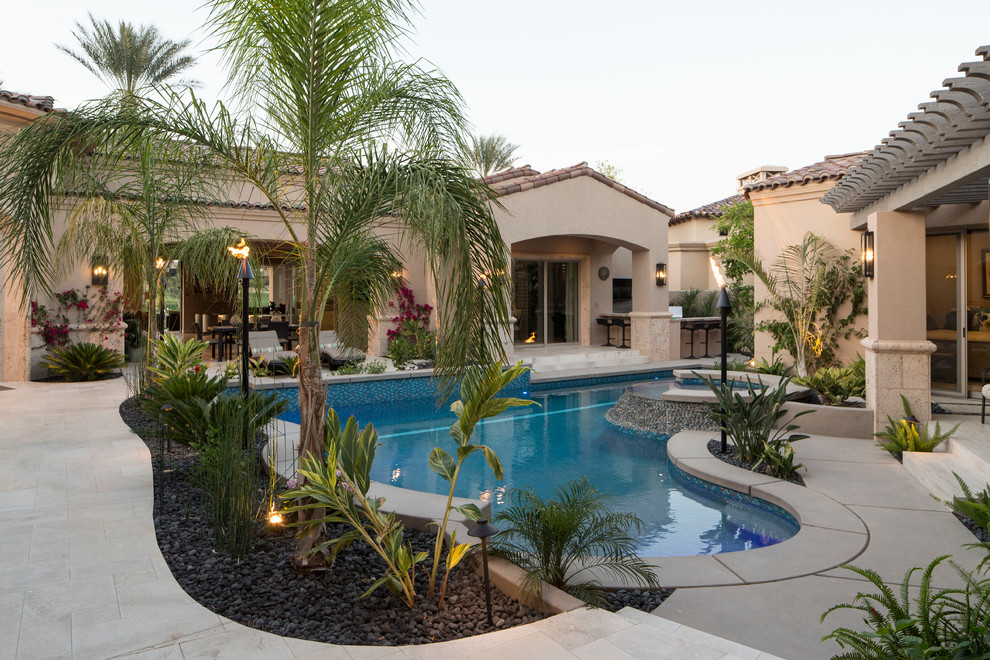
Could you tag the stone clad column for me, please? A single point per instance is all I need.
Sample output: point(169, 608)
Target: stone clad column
point(898, 353)
point(650, 318)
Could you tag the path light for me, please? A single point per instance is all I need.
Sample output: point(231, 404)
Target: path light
point(723, 305)
point(274, 521)
point(867, 255)
point(245, 275)
point(482, 530)
point(161, 457)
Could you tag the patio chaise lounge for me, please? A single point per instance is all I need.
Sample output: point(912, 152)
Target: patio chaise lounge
point(333, 352)
point(265, 345)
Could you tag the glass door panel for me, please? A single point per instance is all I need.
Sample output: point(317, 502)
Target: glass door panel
point(978, 307)
point(945, 324)
point(562, 301)
point(527, 301)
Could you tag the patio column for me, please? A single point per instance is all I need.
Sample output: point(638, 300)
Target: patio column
point(650, 318)
point(898, 353)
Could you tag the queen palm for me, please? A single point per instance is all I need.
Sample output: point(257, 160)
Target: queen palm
point(128, 59)
point(327, 105)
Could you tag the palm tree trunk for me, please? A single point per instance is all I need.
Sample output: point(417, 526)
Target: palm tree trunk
point(312, 407)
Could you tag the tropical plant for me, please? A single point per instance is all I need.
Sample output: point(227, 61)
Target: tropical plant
point(975, 506)
point(174, 356)
point(192, 420)
point(375, 367)
point(778, 457)
point(908, 434)
point(182, 387)
point(350, 369)
point(83, 361)
point(340, 484)
point(731, 365)
point(292, 364)
point(819, 295)
point(755, 422)
point(259, 367)
point(569, 541)
point(126, 58)
point(479, 400)
point(836, 385)
point(741, 318)
point(401, 351)
point(775, 366)
point(228, 471)
point(696, 303)
point(486, 154)
point(736, 228)
point(942, 624)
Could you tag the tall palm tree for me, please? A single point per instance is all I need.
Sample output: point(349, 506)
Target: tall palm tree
point(486, 154)
point(126, 58)
point(325, 100)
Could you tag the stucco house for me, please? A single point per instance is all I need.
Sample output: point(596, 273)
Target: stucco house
point(579, 242)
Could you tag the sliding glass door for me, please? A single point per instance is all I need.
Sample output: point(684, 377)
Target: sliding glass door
point(545, 302)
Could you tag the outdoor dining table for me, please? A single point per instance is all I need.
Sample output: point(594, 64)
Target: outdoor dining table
point(618, 321)
point(222, 332)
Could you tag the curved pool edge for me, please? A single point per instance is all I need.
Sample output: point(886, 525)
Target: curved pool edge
point(830, 534)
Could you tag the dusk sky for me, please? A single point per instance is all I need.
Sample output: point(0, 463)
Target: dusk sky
point(679, 96)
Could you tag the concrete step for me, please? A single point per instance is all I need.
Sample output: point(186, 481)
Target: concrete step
point(971, 442)
point(934, 472)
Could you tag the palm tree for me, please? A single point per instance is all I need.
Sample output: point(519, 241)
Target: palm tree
point(128, 59)
point(486, 154)
point(325, 101)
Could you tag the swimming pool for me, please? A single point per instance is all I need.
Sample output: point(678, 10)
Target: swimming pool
point(564, 439)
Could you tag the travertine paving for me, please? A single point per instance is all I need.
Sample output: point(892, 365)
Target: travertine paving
point(81, 575)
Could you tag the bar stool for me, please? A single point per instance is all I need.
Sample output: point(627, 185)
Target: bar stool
point(607, 324)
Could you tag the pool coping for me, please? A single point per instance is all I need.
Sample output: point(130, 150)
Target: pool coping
point(830, 533)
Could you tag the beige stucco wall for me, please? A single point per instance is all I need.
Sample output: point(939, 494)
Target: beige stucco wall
point(690, 250)
point(781, 218)
point(585, 219)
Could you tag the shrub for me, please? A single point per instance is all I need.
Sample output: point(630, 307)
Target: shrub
point(375, 367)
point(192, 420)
point(774, 367)
point(350, 369)
point(83, 362)
point(731, 365)
point(750, 420)
point(228, 473)
point(172, 356)
point(565, 540)
point(975, 506)
point(402, 352)
point(901, 435)
point(176, 391)
point(340, 486)
point(940, 624)
point(292, 364)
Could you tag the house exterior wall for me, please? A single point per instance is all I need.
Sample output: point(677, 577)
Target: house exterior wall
point(781, 218)
point(690, 250)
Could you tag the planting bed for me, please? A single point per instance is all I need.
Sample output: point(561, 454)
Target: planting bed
point(731, 456)
point(262, 592)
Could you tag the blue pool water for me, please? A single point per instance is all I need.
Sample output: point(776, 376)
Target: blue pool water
point(564, 439)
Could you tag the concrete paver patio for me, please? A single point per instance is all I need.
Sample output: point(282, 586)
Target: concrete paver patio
point(81, 574)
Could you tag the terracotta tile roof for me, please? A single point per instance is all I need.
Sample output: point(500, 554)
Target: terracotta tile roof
point(833, 167)
point(525, 178)
point(43, 103)
point(713, 210)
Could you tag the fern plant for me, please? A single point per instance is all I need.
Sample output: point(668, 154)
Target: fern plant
point(901, 435)
point(944, 624)
point(566, 540)
point(975, 506)
point(83, 362)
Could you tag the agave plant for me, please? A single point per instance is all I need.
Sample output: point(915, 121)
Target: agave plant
point(567, 540)
point(84, 361)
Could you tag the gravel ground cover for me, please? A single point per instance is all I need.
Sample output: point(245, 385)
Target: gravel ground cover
point(261, 591)
point(731, 456)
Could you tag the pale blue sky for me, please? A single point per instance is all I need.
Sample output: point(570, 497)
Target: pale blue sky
point(681, 96)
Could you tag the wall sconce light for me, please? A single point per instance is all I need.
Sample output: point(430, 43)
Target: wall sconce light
point(661, 274)
point(867, 255)
point(397, 273)
point(101, 274)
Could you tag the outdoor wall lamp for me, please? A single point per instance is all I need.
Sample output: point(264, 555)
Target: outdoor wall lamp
point(101, 274)
point(482, 530)
point(866, 254)
point(661, 273)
